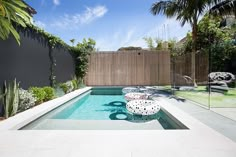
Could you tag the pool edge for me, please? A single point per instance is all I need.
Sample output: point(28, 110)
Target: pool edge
point(20, 120)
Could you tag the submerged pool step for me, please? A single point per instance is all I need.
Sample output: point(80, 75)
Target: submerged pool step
point(58, 124)
point(106, 91)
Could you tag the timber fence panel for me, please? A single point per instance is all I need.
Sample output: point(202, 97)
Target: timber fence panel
point(129, 68)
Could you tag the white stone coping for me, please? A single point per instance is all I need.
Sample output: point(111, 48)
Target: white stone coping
point(176, 114)
point(198, 141)
point(18, 121)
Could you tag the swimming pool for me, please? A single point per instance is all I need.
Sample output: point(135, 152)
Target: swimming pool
point(101, 108)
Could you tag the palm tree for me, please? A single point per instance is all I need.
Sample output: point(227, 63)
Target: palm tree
point(225, 7)
point(185, 11)
point(13, 11)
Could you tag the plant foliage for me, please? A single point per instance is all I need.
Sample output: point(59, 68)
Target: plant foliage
point(130, 48)
point(10, 97)
point(81, 54)
point(67, 87)
point(219, 41)
point(224, 7)
point(42, 94)
point(185, 11)
point(38, 93)
point(27, 100)
point(52, 42)
point(13, 11)
point(49, 93)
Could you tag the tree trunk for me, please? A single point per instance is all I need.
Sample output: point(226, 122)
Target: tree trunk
point(194, 50)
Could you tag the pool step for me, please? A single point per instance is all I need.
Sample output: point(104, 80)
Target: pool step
point(68, 124)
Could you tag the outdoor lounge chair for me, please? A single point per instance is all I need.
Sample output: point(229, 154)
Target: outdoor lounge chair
point(219, 81)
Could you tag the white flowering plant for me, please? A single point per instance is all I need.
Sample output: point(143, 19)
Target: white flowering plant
point(27, 100)
point(69, 85)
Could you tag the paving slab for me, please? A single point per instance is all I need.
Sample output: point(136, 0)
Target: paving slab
point(227, 112)
point(211, 118)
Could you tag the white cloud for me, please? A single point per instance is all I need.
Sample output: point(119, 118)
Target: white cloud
point(117, 40)
point(40, 24)
point(169, 29)
point(92, 13)
point(73, 21)
point(56, 2)
point(134, 36)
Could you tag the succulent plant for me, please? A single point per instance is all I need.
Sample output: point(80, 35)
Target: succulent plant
point(10, 98)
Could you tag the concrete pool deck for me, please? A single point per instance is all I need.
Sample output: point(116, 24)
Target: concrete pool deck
point(199, 140)
point(217, 118)
point(227, 112)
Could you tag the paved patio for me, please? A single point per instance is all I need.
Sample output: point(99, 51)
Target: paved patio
point(227, 112)
point(222, 120)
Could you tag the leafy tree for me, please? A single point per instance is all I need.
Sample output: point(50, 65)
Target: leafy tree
point(185, 11)
point(209, 32)
point(149, 42)
point(223, 57)
point(171, 44)
point(154, 43)
point(218, 41)
point(159, 44)
point(81, 54)
point(12, 12)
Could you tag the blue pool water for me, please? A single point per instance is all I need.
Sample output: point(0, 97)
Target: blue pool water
point(94, 107)
point(101, 108)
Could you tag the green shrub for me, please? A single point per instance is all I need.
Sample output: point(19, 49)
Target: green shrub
point(38, 93)
point(67, 87)
point(49, 93)
point(75, 84)
point(64, 87)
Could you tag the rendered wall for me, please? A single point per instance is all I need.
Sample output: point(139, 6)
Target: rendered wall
point(29, 63)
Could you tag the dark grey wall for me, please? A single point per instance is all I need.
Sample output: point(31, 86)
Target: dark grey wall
point(65, 65)
point(29, 63)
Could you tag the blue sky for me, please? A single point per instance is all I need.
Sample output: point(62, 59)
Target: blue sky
point(111, 23)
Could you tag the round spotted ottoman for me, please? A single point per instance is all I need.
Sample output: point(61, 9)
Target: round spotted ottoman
point(143, 107)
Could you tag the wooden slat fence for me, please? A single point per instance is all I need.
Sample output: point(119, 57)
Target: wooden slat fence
point(181, 66)
point(129, 68)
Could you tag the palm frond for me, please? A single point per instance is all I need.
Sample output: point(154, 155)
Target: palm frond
point(13, 11)
point(160, 7)
point(226, 7)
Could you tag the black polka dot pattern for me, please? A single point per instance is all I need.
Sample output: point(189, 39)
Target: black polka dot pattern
point(143, 107)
